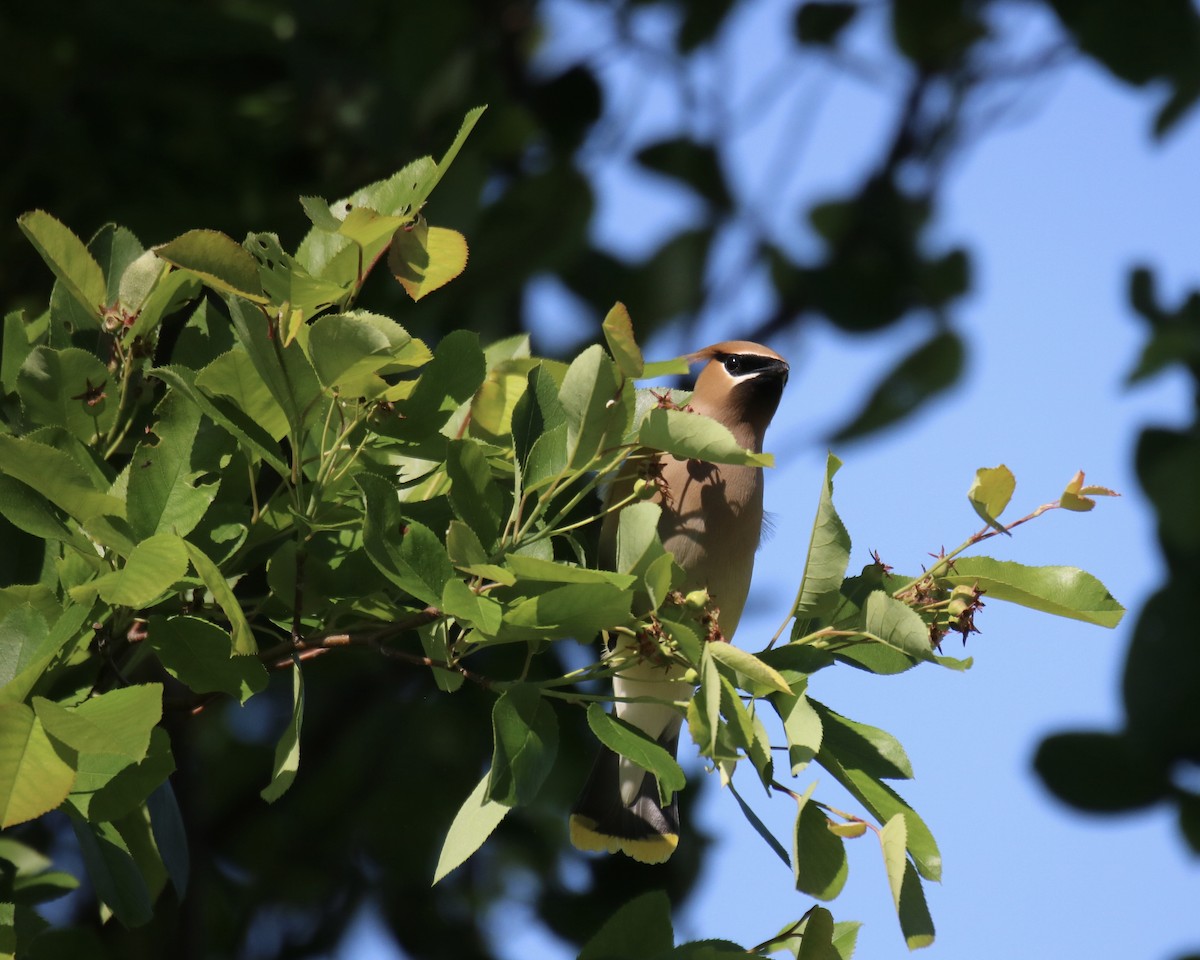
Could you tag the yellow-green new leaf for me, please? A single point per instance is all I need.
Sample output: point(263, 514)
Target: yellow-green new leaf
point(1078, 498)
point(990, 493)
point(424, 258)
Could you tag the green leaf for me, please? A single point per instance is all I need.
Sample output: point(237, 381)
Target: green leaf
point(550, 571)
point(638, 544)
point(36, 647)
point(14, 348)
point(572, 610)
point(893, 838)
point(431, 178)
point(424, 258)
point(251, 436)
point(200, 655)
point(233, 376)
point(118, 881)
point(828, 557)
point(110, 737)
point(117, 723)
point(154, 566)
point(68, 388)
point(822, 22)
point(349, 349)
point(630, 742)
point(931, 369)
point(170, 835)
point(990, 493)
point(287, 750)
point(126, 790)
point(407, 553)
point(802, 725)
point(473, 824)
point(749, 666)
point(547, 458)
point(474, 494)
point(862, 746)
point(817, 941)
point(597, 404)
point(34, 779)
point(740, 725)
point(915, 922)
point(759, 827)
point(618, 334)
point(57, 477)
point(640, 928)
point(525, 734)
point(474, 609)
point(218, 586)
point(883, 803)
point(1062, 591)
point(897, 625)
point(692, 436)
point(170, 293)
point(435, 642)
point(174, 474)
point(71, 262)
point(448, 381)
point(285, 280)
point(218, 260)
point(818, 855)
point(1102, 772)
point(284, 369)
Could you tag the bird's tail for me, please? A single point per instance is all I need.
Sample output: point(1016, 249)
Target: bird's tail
point(643, 828)
point(620, 808)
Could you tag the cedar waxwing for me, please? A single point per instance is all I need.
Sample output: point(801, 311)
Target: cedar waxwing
point(711, 523)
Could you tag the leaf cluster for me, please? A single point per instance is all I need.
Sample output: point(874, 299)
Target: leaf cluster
point(222, 468)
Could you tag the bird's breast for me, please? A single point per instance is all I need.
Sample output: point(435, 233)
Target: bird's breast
point(711, 523)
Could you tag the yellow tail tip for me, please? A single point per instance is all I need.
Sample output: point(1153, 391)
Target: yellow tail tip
point(653, 849)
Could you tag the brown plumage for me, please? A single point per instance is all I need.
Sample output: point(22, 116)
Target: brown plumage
point(711, 523)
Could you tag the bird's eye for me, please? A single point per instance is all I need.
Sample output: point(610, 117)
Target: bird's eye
point(733, 365)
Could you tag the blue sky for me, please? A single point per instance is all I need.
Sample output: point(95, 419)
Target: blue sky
point(1056, 204)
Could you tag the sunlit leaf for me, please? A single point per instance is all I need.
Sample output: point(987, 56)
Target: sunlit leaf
point(749, 666)
point(33, 777)
point(1063, 591)
point(618, 334)
point(218, 260)
point(990, 493)
point(691, 436)
point(424, 258)
point(472, 825)
point(66, 255)
point(630, 742)
point(1078, 497)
